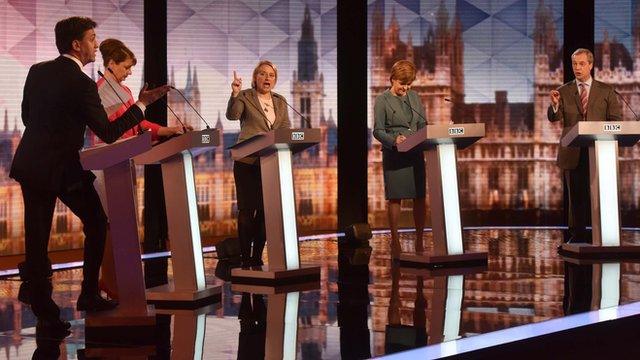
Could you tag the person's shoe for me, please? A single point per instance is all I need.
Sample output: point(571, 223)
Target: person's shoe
point(94, 303)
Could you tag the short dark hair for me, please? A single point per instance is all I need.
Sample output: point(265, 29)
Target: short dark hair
point(116, 50)
point(70, 29)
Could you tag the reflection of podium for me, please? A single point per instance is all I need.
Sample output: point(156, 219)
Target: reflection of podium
point(440, 143)
point(274, 149)
point(282, 316)
point(115, 161)
point(187, 337)
point(603, 139)
point(445, 305)
point(605, 280)
point(176, 157)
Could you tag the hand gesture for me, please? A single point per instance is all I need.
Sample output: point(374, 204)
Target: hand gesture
point(554, 95)
point(147, 97)
point(236, 85)
point(166, 131)
point(400, 139)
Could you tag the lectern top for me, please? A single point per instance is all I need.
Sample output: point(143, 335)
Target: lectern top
point(195, 142)
point(295, 140)
point(584, 133)
point(106, 155)
point(462, 135)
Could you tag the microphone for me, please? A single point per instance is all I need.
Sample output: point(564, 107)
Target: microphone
point(415, 111)
point(194, 109)
point(140, 131)
point(626, 103)
point(306, 120)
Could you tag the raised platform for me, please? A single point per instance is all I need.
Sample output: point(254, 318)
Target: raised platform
point(584, 250)
point(167, 296)
point(424, 259)
point(263, 275)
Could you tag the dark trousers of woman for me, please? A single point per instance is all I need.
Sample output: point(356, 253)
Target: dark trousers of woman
point(251, 227)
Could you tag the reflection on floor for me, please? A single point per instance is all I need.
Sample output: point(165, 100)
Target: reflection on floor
point(362, 306)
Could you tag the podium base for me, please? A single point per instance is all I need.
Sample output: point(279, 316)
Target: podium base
point(119, 318)
point(167, 296)
point(443, 271)
point(584, 250)
point(277, 289)
point(263, 275)
point(430, 260)
point(133, 352)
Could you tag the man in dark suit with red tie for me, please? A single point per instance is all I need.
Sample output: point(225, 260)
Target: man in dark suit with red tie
point(59, 102)
point(583, 99)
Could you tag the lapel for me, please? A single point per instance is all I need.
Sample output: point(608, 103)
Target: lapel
point(279, 108)
point(413, 106)
point(594, 93)
point(393, 104)
point(253, 98)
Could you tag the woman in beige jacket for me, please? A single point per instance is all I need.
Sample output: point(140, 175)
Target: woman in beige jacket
point(259, 110)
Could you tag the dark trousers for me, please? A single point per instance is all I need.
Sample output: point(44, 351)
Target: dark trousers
point(579, 213)
point(251, 227)
point(39, 207)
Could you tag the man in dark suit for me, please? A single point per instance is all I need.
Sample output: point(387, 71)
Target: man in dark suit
point(583, 99)
point(59, 102)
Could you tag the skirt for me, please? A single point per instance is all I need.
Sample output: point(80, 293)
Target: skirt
point(404, 174)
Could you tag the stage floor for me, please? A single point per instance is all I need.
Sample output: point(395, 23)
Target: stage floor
point(360, 308)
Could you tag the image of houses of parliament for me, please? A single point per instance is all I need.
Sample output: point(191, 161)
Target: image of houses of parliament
point(513, 168)
point(315, 172)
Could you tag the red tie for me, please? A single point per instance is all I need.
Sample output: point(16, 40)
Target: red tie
point(584, 99)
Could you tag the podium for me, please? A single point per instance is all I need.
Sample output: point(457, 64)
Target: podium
point(603, 139)
point(274, 150)
point(440, 143)
point(176, 158)
point(605, 279)
point(115, 162)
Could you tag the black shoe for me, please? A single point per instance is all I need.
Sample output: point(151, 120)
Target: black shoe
point(93, 303)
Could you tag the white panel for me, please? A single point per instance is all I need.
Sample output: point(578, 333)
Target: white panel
point(610, 290)
point(453, 309)
point(290, 326)
point(608, 184)
point(288, 209)
point(196, 243)
point(200, 332)
point(447, 158)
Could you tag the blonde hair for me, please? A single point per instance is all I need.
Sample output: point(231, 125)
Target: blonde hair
point(583, 51)
point(403, 71)
point(255, 71)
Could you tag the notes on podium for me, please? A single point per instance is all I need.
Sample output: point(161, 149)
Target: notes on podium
point(440, 143)
point(115, 161)
point(176, 158)
point(274, 150)
point(603, 139)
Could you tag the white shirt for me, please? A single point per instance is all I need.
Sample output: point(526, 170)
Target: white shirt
point(587, 85)
point(79, 63)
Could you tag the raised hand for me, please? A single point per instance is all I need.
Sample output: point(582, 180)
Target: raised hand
point(554, 95)
point(147, 97)
point(236, 85)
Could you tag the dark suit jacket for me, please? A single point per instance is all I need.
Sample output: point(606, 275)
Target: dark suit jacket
point(603, 106)
point(253, 121)
point(59, 102)
point(389, 121)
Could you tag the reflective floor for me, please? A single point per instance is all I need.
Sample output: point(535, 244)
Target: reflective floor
point(362, 307)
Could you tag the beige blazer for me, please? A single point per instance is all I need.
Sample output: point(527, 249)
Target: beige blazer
point(253, 121)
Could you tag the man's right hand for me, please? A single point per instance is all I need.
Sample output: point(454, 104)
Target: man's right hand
point(554, 95)
point(148, 97)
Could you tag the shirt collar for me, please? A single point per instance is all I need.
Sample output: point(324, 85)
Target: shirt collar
point(587, 83)
point(75, 59)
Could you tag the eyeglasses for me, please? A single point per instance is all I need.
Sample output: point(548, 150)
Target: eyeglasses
point(267, 75)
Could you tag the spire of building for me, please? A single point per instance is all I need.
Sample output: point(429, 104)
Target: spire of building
point(219, 122)
point(194, 83)
point(544, 32)
point(187, 87)
point(15, 125)
point(172, 79)
point(6, 120)
point(377, 34)
point(410, 47)
point(307, 50)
